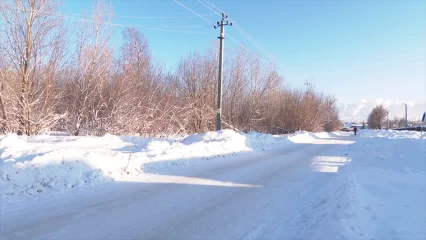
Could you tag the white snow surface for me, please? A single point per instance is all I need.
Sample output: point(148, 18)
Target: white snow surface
point(381, 194)
point(216, 185)
point(39, 164)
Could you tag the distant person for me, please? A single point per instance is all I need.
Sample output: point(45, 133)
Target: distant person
point(355, 130)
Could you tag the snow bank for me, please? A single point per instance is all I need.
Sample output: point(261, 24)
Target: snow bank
point(308, 137)
point(381, 194)
point(262, 142)
point(31, 165)
point(11, 141)
point(43, 164)
point(392, 134)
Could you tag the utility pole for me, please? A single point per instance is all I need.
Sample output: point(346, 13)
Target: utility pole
point(406, 118)
point(387, 116)
point(308, 83)
point(222, 25)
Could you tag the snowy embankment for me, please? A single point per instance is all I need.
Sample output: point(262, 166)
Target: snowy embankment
point(42, 164)
point(381, 193)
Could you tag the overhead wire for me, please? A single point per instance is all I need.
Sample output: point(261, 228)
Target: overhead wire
point(145, 27)
point(242, 46)
point(162, 17)
point(193, 12)
point(213, 6)
point(217, 13)
point(228, 35)
point(234, 24)
point(240, 29)
point(153, 28)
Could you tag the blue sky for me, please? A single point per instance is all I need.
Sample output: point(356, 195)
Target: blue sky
point(353, 49)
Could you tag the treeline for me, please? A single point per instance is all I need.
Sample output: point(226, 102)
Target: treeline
point(378, 119)
point(56, 77)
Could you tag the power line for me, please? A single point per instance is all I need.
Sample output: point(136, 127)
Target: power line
point(145, 27)
point(241, 45)
point(213, 6)
point(133, 25)
point(217, 13)
point(244, 33)
point(240, 29)
point(124, 17)
point(154, 28)
point(228, 35)
point(233, 21)
point(153, 17)
point(162, 17)
point(193, 12)
point(251, 39)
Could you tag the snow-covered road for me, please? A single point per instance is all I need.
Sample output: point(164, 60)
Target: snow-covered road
point(269, 195)
point(216, 185)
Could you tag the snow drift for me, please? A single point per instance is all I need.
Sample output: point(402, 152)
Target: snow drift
point(40, 164)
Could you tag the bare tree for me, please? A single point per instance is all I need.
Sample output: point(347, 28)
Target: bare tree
point(130, 89)
point(330, 118)
point(85, 101)
point(377, 117)
point(196, 82)
point(233, 86)
point(32, 41)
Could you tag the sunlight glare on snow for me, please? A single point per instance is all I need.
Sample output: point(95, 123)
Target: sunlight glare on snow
point(168, 179)
point(328, 163)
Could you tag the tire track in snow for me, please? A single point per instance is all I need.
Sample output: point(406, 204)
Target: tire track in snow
point(243, 199)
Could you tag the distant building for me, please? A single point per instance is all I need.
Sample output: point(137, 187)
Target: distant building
point(349, 126)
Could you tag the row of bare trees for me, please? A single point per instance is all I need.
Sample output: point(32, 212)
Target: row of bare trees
point(57, 77)
point(378, 119)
